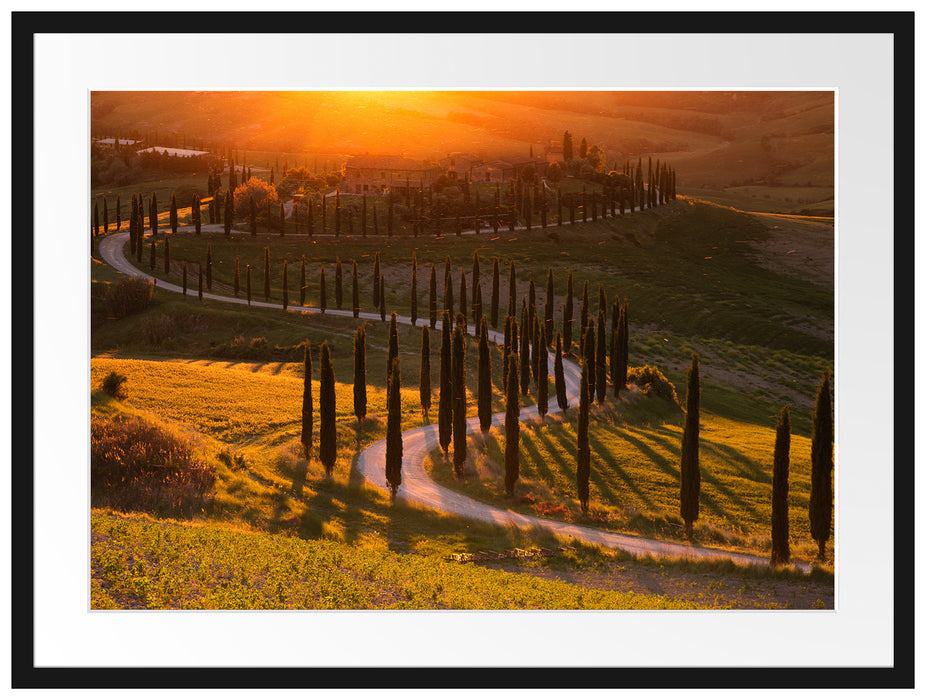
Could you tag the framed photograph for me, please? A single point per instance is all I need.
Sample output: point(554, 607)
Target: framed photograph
point(294, 279)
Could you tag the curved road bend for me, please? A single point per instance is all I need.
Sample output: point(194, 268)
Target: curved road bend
point(417, 487)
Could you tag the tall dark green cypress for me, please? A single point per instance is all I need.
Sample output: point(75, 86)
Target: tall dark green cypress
point(537, 349)
point(583, 451)
point(458, 369)
point(821, 468)
point(327, 436)
point(394, 428)
point(432, 298)
point(619, 354)
point(445, 388)
point(506, 351)
point(153, 214)
point(559, 375)
point(237, 282)
point(448, 289)
point(588, 353)
point(601, 358)
point(525, 352)
point(266, 274)
point(376, 274)
point(462, 301)
point(166, 255)
point(393, 341)
point(781, 548)
point(543, 383)
point(322, 292)
point(493, 311)
point(424, 377)
point(548, 311)
point(118, 213)
point(583, 312)
point(360, 374)
point(512, 426)
point(567, 315)
point(690, 469)
point(477, 303)
point(173, 214)
point(382, 297)
point(355, 290)
point(306, 436)
point(485, 378)
point(414, 293)
point(338, 284)
point(228, 212)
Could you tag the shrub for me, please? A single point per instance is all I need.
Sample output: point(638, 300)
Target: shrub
point(136, 465)
point(114, 385)
point(653, 382)
point(158, 329)
point(128, 296)
point(261, 191)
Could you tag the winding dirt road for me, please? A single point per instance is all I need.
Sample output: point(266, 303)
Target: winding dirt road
point(417, 487)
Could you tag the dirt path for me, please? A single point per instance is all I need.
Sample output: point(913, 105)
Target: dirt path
point(417, 487)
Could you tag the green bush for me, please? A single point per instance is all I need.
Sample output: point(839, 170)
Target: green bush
point(158, 329)
point(128, 296)
point(653, 382)
point(114, 385)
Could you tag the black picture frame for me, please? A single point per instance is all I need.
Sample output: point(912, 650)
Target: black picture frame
point(25, 674)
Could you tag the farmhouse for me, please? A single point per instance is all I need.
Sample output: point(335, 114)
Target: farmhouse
point(459, 166)
point(181, 152)
point(553, 152)
point(377, 174)
point(504, 170)
point(115, 143)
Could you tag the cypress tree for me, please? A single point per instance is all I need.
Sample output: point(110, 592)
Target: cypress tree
point(266, 274)
point(601, 359)
point(588, 353)
point(512, 426)
point(821, 468)
point(247, 271)
point(583, 452)
point(183, 266)
point(229, 212)
point(458, 369)
point(506, 351)
point(781, 549)
point(209, 266)
point(360, 374)
point(432, 298)
point(525, 354)
point(252, 216)
point(477, 303)
point(543, 383)
point(532, 300)
point(624, 343)
point(567, 315)
point(327, 442)
point(394, 428)
point(302, 282)
point(355, 290)
point(282, 220)
point(173, 214)
point(448, 289)
point(475, 279)
point(393, 341)
point(536, 353)
point(153, 260)
point(463, 303)
point(322, 292)
point(619, 353)
point(382, 297)
point(376, 274)
point(485, 378)
point(338, 284)
point(285, 287)
point(166, 255)
point(306, 437)
point(559, 376)
point(237, 282)
point(153, 214)
point(548, 311)
point(105, 217)
point(445, 388)
point(310, 221)
point(118, 213)
point(414, 299)
point(512, 290)
point(493, 313)
point(690, 468)
point(424, 378)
